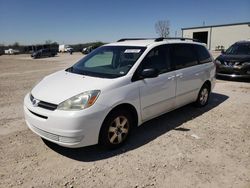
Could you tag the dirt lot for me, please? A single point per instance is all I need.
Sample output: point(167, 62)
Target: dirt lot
point(189, 147)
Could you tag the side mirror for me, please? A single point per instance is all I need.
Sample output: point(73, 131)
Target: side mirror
point(149, 73)
point(222, 51)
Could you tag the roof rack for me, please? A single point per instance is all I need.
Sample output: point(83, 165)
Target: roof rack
point(125, 39)
point(175, 38)
point(159, 39)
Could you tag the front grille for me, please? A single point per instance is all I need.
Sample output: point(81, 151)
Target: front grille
point(70, 139)
point(46, 105)
point(232, 63)
point(55, 137)
point(42, 104)
point(46, 134)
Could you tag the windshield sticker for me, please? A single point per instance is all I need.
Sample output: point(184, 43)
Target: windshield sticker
point(132, 51)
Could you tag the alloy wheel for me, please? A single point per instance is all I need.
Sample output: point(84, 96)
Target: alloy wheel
point(118, 130)
point(204, 96)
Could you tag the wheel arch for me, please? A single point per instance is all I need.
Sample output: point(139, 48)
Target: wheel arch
point(208, 83)
point(126, 106)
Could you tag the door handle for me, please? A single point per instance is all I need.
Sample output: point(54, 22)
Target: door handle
point(180, 75)
point(171, 77)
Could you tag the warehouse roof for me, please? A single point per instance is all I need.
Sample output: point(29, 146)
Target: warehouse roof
point(222, 25)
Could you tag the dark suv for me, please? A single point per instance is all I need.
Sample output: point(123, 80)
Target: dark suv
point(44, 53)
point(235, 61)
point(1, 51)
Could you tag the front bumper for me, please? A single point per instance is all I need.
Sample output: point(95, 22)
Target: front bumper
point(233, 71)
point(66, 128)
point(233, 75)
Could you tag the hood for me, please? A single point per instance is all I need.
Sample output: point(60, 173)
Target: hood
point(63, 85)
point(233, 58)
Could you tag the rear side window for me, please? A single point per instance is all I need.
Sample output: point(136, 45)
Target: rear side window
point(183, 55)
point(203, 55)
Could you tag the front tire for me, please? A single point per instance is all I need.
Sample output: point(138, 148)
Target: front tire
point(115, 129)
point(203, 96)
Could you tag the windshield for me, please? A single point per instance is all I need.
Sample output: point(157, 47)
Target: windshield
point(239, 49)
point(108, 61)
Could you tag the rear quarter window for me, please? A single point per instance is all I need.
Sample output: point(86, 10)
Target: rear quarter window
point(203, 54)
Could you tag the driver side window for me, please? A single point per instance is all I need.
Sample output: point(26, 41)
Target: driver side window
point(158, 59)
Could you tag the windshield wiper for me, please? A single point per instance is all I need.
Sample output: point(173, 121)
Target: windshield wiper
point(73, 70)
point(92, 74)
point(70, 69)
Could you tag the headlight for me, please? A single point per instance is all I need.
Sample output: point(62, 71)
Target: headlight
point(81, 101)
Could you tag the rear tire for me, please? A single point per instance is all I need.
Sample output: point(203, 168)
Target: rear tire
point(203, 96)
point(115, 129)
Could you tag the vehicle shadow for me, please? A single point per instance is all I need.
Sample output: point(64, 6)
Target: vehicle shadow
point(143, 134)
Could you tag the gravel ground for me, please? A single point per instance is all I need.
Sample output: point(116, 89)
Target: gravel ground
point(189, 147)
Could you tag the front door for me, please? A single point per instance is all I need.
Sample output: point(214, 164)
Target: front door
point(157, 95)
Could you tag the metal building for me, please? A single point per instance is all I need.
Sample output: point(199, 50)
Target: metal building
point(218, 37)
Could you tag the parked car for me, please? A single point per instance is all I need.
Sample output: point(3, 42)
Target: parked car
point(65, 48)
point(11, 51)
point(235, 61)
point(43, 53)
point(70, 50)
point(87, 50)
point(1, 51)
point(117, 87)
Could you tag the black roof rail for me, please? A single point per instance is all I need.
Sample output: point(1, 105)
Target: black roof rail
point(178, 38)
point(125, 39)
point(160, 39)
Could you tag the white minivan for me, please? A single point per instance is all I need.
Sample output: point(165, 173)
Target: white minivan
point(119, 86)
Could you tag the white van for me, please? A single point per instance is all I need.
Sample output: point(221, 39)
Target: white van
point(64, 48)
point(11, 51)
point(116, 87)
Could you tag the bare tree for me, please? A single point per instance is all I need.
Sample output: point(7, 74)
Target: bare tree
point(16, 45)
point(48, 42)
point(162, 28)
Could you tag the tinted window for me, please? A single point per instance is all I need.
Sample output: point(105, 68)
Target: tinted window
point(183, 55)
point(239, 49)
point(203, 55)
point(158, 58)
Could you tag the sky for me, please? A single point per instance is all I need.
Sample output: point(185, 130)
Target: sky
point(79, 21)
